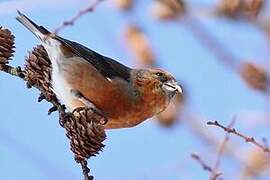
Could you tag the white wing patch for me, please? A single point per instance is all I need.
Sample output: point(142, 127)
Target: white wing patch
point(109, 79)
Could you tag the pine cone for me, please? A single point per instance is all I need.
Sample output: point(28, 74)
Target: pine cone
point(85, 132)
point(168, 9)
point(229, 8)
point(253, 7)
point(124, 5)
point(255, 76)
point(139, 45)
point(245, 9)
point(38, 71)
point(6, 45)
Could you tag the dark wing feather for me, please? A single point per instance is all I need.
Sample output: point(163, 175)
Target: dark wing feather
point(106, 66)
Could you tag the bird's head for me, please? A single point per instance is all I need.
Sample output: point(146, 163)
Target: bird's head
point(158, 81)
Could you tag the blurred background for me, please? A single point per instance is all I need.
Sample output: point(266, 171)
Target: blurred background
point(217, 49)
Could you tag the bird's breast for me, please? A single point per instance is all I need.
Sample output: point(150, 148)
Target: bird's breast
point(146, 106)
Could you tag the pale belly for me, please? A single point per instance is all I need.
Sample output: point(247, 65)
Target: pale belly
point(62, 89)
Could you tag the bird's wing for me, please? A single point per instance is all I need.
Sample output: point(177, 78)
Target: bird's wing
point(108, 67)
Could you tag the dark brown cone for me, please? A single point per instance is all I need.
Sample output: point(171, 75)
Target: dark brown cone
point(6, 45)
point(38, 71)
point(255, 76)
point(85, 132)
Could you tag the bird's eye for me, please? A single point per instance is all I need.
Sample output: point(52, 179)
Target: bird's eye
point(159, 74)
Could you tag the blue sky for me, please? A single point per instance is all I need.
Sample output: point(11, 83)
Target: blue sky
point(34, 146)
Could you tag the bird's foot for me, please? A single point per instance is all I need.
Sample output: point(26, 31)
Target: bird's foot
point(64, 117)
point(93, 113)
point(78, 110)
point(103, 119)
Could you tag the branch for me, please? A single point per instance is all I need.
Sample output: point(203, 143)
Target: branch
point(221, 150)
point(14, 71)
point(86, 170)
point(83, 126)
point(246, 138)
point(205, 166)
point(74, 18)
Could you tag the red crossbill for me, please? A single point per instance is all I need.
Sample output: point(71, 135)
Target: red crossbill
point(83, 78)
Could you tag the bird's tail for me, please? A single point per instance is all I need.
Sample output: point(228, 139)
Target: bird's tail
point(39, 31)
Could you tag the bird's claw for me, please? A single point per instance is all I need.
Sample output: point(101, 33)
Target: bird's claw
point(101, 117)
point(64, 118)
point(104, 119)
point(78, 110)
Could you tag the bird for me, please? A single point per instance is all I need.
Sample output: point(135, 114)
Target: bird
point(83, 78)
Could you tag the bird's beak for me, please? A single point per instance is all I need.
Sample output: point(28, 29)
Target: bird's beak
point(173, 86)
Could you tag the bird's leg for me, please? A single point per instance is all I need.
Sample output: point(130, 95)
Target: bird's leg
point(77, 94)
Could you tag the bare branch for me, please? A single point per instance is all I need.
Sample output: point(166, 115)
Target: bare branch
point(86, 170)
point(201, 162)
point(246, 138)
point(205, 166)
point(79, 14)
point(221, 150)
point(14, 71)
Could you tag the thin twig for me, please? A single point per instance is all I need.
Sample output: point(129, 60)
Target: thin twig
point(221, 150)
point(14, 71)
point(86, 170)
point(201, 162)
point(205, 166)
point(265, 142)
point(246, 138)
point(79, 14)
